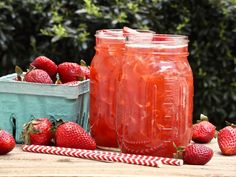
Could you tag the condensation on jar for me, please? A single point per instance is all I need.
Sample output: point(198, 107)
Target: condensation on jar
point(155, 96)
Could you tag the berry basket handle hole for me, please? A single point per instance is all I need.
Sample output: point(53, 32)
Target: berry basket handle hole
point(13, 124)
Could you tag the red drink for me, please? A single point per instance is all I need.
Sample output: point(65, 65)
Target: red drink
point(155, 96)
point(105, 68)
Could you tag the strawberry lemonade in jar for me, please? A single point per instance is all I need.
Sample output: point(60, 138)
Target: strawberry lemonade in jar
point(155, 96)
point(105, 71)
point(105, 66)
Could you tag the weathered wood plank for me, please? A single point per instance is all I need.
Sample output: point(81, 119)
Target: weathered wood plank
point(19, 163)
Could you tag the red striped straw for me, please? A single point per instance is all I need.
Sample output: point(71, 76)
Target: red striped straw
point(164, 160)
point(93, 155)
point(105, 154)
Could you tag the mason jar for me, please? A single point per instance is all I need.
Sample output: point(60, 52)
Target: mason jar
point(105, 68)
point(155, 91)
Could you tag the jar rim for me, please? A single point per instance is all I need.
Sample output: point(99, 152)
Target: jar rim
point(157, 40)
point(146, 37)
point(119, 33)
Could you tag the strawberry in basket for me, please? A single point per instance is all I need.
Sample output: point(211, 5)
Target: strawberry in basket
point(69, 71)
point(38, 76)
point(46, 64)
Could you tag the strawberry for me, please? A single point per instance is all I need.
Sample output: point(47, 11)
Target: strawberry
point(113, 33)
point(7, 142)
point(194, 154)
point(85, 69)
point(72, 135)
point(38, 76)
point(162, 37)
point(227, 140)
point(45, 64)
point(72, 83)
point(69, 71)
point(127, 30)
point(203, 131)
point(38, 131)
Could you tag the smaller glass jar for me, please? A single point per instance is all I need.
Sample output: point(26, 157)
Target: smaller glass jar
point(105, 72)
point(155, 104)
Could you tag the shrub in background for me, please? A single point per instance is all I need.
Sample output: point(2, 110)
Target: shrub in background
point(64, 31)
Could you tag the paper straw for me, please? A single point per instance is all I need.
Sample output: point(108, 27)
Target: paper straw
point(93, 155)
point(164, 160)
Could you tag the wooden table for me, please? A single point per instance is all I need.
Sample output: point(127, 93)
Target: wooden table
point(19, 163)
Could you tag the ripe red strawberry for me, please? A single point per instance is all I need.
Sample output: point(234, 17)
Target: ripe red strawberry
point(72, 83)
point(85, 69)
point(72, 135)
point(38, 131)
point(45, 64)
point(114, 33)
point(162, 37)
point(227, 140)
point(7, 142)
point(127, 30)
point(203, 131)
point(69, 71)
point(197, 154)
point(38, 76)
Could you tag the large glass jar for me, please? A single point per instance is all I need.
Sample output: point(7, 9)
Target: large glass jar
point(155, 96)
point(105, 68)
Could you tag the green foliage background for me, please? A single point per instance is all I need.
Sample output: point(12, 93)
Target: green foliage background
point(64, 31)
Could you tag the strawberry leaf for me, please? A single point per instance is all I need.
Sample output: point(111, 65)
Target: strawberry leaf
point(83, 63)
point(203, 118)
point(19, 73)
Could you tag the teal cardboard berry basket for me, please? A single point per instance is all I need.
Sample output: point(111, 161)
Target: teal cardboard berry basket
point(20, 102)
